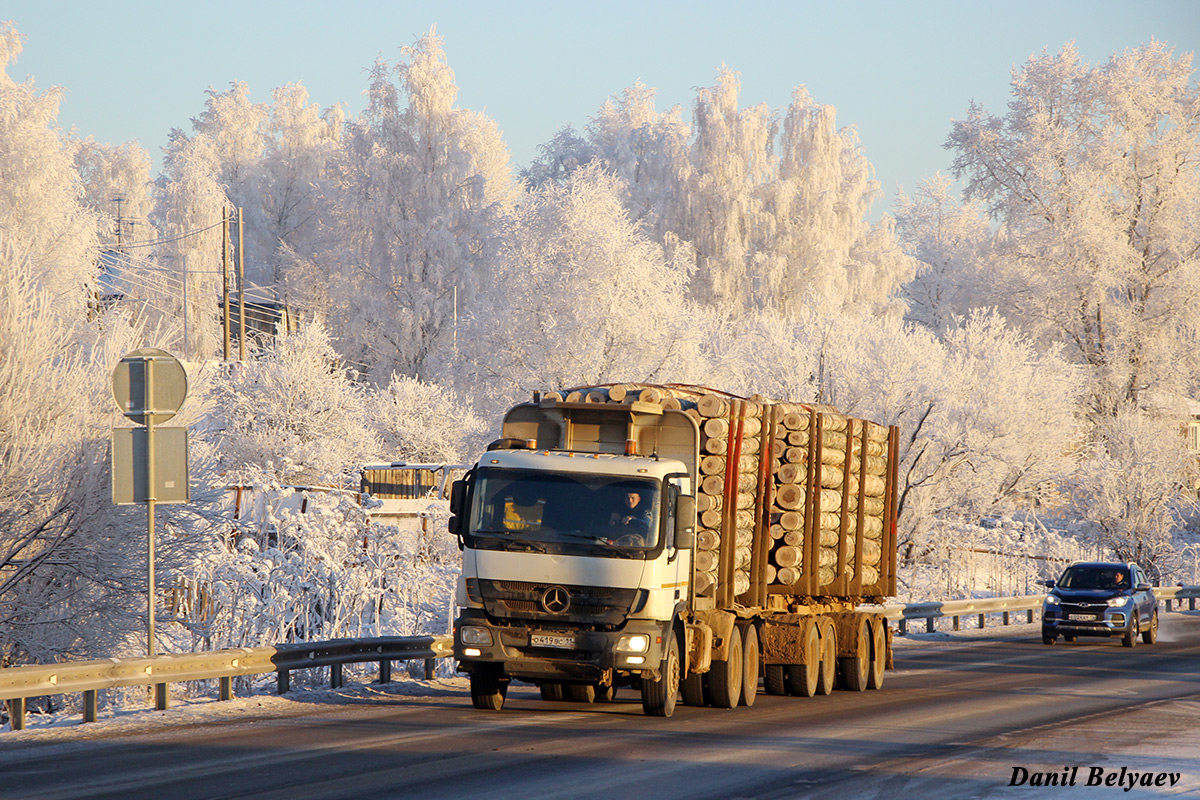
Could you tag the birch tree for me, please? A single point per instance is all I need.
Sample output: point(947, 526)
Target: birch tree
point(422, 188)
point(1094, 176)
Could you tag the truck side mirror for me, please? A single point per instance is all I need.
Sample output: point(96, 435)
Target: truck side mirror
point(458, 495)
point(685, 522)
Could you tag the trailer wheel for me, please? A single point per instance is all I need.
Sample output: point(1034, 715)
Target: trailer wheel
point(827, 665)
point(580, 692)
point(803, 680)
point(658, 697)
point(878, 653)
point(750, 664)
point(774, 681)
point(488, 687)
point(606, 692)
point(692, 689)
point(855, 670)
point(551, 691)
point(725, 677)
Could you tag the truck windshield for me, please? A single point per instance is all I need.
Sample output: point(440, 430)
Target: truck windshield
point(564, 512)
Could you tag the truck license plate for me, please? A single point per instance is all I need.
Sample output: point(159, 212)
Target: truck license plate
point(550, 640)
point(1081, 617)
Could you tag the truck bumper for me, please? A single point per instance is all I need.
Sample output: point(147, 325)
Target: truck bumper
point(555, 653)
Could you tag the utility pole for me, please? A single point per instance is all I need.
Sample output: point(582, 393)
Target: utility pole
point(241, 289)
point(118, 201)
point(225, 273)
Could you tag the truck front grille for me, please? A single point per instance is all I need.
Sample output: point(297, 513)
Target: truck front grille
point(597, 605)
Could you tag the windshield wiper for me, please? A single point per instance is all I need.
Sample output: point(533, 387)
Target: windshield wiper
point(591, 538)
point(510, 542)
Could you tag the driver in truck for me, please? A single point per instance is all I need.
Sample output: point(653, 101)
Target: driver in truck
point(633, 516)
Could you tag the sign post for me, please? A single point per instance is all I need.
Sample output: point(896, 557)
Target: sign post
point(149, 386)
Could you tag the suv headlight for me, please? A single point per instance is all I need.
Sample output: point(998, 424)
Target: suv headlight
point(633, 643)
point(1052, 600)
point(473, 634)
point(1117, 602)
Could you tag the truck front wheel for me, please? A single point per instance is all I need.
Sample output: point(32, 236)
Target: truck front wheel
point(658, 697)
point(725, 677)
point(488, 687)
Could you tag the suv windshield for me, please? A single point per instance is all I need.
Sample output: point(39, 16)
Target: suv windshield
point(1080, 577)
point(564, 512)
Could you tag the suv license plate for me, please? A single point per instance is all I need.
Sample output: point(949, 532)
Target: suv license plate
point(1081, 617)
point(548, 640)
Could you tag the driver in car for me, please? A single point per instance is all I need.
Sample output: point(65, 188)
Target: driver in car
point(634, 516)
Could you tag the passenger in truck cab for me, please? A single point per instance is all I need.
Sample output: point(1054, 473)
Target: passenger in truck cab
point(522, 510)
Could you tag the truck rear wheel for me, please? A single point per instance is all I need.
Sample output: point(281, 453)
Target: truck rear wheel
point(692, 689)
point(725, 677)
point(774, 681)
point(803, 680)
point(750, 664)
point(827, 665)
point(856, 669)
point(551, 691)
point(878, 653)
point(488, 687)
point(658, 697)
point(580, 692)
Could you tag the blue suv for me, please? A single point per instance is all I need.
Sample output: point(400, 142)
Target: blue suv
point(1100, 598)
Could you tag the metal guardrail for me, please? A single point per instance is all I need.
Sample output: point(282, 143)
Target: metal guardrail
point(19, 683)
point(957, 609)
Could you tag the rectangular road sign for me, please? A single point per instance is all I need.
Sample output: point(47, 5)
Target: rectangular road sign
point(130, 460)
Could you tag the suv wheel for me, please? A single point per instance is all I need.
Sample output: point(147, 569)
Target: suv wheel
point(1150, 635)
point(1131, 633)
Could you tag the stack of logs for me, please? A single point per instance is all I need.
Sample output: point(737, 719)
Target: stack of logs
point(730, 467)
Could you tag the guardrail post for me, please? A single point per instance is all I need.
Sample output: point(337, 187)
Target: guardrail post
point(1006, 621)
point(956, 622)
point(429, 669)
point(1030, 616)
point(385, 671)
point(225, 692)
point(929, 624)
point(283, 681)
point(16, 713)
point(161, 696)
point(1168, 602)
point(903, 626)
point(335, 676)
point(89, 705)
point(982, 621)
point(1191, 604)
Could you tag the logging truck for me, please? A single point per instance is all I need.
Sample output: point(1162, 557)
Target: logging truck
point(677, 540)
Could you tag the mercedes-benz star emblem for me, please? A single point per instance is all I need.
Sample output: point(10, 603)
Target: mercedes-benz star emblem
point(556, 600)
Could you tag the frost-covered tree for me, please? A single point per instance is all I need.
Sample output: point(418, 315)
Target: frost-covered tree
point(580, 296)
point(1135, 485)
point(719, 211)
point(417, 421)
point(986, 423)
point(293, 415)
point(116, 181)
point(953, 242)
point(1094, 175)
point(290, 198)
point(422, 187)
point(815, 237)
point(42, 222)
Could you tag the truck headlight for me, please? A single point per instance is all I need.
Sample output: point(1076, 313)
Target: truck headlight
point(473, 634)
point(633, 643)
point(1117, 602)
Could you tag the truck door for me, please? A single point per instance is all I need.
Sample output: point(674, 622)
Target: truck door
point(681, 563)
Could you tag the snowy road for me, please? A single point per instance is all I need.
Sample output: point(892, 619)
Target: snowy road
point(959, 717)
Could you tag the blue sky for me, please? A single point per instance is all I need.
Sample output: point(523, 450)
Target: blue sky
point(898, 71)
